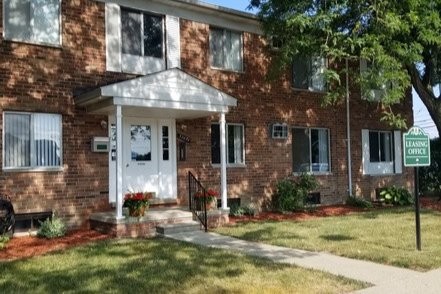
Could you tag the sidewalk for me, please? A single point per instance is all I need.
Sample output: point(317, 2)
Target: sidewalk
point(384, 278)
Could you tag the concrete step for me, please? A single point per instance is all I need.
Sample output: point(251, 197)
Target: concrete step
point(186, 226)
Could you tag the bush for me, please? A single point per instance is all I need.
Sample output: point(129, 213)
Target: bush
point(52, 228)
point(358, 202)
point(3, 240)
point(291, 194)
point(429, 176)
point(396, 196)
point(236, 210)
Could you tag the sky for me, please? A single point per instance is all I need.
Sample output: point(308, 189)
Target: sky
point(421, 115)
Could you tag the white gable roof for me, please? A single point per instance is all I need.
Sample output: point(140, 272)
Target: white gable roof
point(170, 89)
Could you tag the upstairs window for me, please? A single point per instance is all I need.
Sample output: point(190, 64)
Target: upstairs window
point(225, 49)
point(374, 90)
point(235, 144)
point(31, 140)
point(142, 33)
point(308, 73)
point(33, 21)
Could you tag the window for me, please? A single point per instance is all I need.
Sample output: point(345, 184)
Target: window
point(225, 49)
point(308, 73)
point(165, 143)
point(279, 131)
point(234, 141)
point(34, 21)
point(141, 33)
point(381, 152)
point(374, 90)
point(140, 143)
point(31, 140)
point(310, 149)
point(380, 146)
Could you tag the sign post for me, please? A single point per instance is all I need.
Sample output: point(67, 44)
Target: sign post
point(416, 154)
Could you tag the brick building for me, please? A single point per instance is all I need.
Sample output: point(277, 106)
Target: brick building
point(175, 86)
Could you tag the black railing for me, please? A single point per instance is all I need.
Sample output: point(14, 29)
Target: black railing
point(197, 200)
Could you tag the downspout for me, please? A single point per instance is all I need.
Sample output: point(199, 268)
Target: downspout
point(348, 131)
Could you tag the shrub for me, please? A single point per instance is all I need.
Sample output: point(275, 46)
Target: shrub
point(396, 196)
point(358, 202)
point(236, 210)
point(249, 210)
point(3, 241)
point(429, 176)
point(52, 228)
point(291, 194)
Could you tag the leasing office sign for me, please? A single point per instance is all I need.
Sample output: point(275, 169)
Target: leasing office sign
point(416, 148)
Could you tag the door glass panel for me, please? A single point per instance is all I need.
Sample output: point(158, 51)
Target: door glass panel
point(165, 143)
point(140, 143)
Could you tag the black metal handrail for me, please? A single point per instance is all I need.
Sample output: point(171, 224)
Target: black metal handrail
point(197, 200)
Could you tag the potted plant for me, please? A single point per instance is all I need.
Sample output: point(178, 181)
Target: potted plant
point(137, 203)
point(211, 199)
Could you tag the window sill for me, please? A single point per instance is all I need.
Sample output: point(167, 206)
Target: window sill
point(308, 90)
point(31, 170)
point(228, 70)
point(230, 165)
point(27, 42)
point(383, 175)
point(296, 174)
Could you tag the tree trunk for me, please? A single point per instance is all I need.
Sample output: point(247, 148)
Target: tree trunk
point(429, 99)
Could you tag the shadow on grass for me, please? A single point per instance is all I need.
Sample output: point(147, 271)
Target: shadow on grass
point(145, 266)
point(337, 237)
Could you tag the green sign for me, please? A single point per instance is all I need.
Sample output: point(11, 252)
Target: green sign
point(416, 147)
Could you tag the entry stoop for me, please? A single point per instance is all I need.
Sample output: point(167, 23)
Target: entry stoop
point(187, 226)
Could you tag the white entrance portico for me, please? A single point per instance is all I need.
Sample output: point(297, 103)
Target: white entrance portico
point(142, 128)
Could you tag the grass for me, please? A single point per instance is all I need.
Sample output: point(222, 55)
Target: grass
point(161, 266)
point(384, 236)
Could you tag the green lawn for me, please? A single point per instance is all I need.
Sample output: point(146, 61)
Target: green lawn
point(384, 236)
point(161, 266)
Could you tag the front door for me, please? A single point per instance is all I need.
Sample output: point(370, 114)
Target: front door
point(149, 161)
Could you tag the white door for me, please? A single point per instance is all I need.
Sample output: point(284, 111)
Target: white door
point(149, 157)
point(140, 145)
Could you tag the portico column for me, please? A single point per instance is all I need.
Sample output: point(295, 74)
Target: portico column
point(223, 159)
point(119, 163)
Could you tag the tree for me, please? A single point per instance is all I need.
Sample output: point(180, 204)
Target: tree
point(400, 40)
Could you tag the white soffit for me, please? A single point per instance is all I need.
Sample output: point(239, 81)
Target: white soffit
point(198, 11)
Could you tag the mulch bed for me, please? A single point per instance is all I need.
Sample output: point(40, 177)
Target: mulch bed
point(25, 247)
point(323, 211)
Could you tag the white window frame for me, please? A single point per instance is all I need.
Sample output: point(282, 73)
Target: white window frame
point(243, 164)
point(329, 171)
point(35, 42)
point(31, 168)
point(284, 131)
point(382, 167)
point(310, 86)
point(224, 30)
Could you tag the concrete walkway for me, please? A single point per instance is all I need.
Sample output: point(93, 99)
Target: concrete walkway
point(384, 278)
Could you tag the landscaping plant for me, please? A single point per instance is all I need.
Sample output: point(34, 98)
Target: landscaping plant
point(52, 228)
point(3, 241)
point(358, 202)
point(291, 194)
point(429, 176)
point(396, 196)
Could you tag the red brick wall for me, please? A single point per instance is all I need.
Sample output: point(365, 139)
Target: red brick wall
point(44, 79)
point(261, 104)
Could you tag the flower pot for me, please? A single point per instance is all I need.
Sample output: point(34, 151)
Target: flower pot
point(137, 212)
